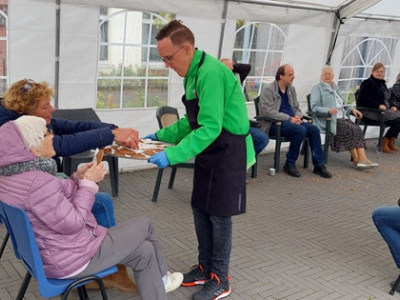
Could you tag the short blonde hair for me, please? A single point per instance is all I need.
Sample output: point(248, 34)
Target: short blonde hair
point(32, 129)
point(25, 95)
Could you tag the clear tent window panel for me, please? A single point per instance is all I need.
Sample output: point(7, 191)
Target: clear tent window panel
point(128, 64)
point(359, 56)
point(262, 46)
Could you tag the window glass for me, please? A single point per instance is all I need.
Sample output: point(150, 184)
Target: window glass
point(359, 56)
point(261, 45)
point(130, 73)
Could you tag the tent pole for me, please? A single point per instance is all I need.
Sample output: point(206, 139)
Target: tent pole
point(57, 53)
point(223, 23)
point(335, 32)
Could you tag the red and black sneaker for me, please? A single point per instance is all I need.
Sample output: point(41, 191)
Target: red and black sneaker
point(213, 289)
point(196, 276)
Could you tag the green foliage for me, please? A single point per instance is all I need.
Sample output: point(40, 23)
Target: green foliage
point(350, 97)
point(101, 101)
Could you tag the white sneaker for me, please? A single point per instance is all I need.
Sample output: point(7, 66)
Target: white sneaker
point(174, 281)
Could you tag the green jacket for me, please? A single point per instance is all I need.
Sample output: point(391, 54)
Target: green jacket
point(222, 105)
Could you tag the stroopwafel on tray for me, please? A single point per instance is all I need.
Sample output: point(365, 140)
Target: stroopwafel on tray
point(146, 149)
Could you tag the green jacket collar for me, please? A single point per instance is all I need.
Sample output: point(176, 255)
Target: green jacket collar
point(194, 64)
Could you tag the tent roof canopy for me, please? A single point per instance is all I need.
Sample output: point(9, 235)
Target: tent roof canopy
point(275, 11)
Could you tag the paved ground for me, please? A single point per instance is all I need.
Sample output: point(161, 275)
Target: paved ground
point(301, 238)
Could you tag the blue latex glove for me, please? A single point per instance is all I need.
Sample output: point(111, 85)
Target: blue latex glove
point(151, 136)
point(160, 159)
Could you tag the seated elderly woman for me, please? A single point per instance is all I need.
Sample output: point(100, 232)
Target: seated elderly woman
point(60, 213)
point(345, 135)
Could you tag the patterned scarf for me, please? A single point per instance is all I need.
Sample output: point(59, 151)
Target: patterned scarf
point(47, 165)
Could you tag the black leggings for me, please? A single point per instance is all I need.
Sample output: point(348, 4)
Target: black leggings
point(394, 128)
point(393, 124)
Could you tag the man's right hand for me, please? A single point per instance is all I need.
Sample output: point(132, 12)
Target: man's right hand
point(296, 120)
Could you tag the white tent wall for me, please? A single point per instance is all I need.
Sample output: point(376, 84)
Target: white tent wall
point(32, 35)
point(31, 40)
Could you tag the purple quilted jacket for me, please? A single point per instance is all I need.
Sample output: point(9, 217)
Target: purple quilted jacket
point(59, 209)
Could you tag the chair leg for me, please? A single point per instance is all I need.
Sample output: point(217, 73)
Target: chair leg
point(278, 144)
point(306, 154)
point(24, 286)
point(364, 131)
point(254, 169)
point(114, 176)
point(3, 245)
point(172, 178)
point(157, 186)
point(326, 149)
point(395, 285)
point(81, 292)
point(381, 131)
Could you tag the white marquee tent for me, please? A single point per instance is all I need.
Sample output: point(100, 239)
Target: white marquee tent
point(58, 41)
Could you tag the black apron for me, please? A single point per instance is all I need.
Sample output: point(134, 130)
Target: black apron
point(219, 183)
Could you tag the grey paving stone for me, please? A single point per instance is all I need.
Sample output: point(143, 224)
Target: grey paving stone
point(301, 238)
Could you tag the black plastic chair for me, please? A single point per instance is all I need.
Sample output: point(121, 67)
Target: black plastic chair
point(279, 139)
point(368, 122)
point(167, 115)
point(328, 119)
point(70, 163)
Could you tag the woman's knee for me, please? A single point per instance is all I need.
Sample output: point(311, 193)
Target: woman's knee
point(145, 254)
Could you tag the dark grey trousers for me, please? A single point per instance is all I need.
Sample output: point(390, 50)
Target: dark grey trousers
point(134, 244)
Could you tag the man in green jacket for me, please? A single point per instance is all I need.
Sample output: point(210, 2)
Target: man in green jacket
point(215, 130)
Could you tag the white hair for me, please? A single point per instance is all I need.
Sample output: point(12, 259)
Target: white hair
point(32, 130)
point(325, 68)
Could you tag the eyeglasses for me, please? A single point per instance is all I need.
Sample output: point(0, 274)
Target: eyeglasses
point(167, 59)
point(28, 85)
point(49, 132)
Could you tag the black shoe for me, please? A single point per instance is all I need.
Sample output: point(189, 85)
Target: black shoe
point(291, 170)
point(195, 276)
point(322, 171)
point(213, 289)
point(398, 287)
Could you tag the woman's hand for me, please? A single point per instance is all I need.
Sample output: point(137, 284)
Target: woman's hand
point(82, 170)
point(383, 107)
point(332, 111)
point(393, 108)
point(95, 172)
point(127, 137)
point(356, 113)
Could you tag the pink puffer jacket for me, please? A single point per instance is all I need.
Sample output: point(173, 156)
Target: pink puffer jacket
point(59, 209)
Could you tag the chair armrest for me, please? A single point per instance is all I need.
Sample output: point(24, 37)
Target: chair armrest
point(382, 111)
point(319, 114)
point(264, 118)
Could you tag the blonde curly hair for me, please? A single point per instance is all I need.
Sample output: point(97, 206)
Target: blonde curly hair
point(25, 95)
